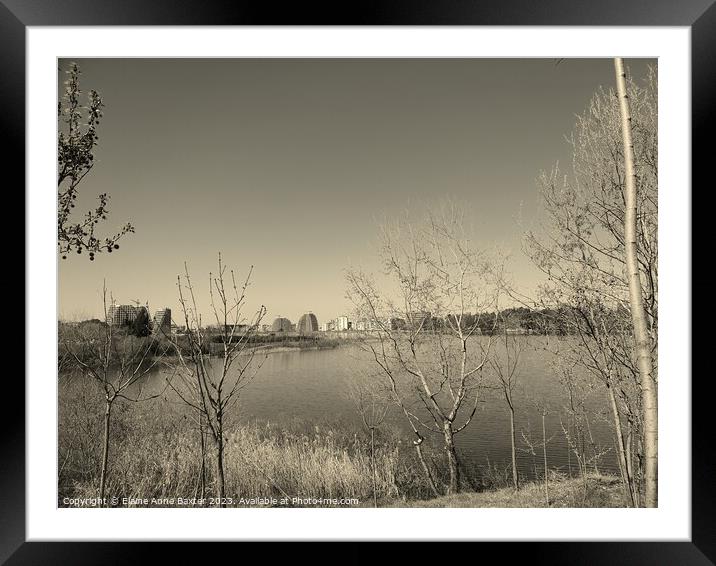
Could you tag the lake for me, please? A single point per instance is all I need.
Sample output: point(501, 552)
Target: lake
point(312, 386)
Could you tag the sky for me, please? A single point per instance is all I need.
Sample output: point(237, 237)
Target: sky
point(288, 165)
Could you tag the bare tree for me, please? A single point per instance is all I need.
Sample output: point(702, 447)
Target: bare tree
point(118, 363)
point(576, 431)
point(636, 298)
point(506, 371)
point(372, 408)
point(211, 385)
point(75, 154)
point(428, 349)
point(534, 445)
point(582, 249)
point(543, 413)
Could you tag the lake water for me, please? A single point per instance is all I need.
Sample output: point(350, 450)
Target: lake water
point(313, 386)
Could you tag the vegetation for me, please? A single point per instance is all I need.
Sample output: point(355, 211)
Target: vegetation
point(505, 368)
point(156, 455)
point(634, 239)
point(286, 341)
point(141, 325)
point(211, 390)
point(434, 375)
point(602, 491)
point(160, 345)
point(76, 143)
point(117, 367)
point(581, 247)
point(310, 343)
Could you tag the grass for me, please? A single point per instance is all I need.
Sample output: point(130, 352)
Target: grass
point(155, 453)
point(261, 461)
point(275, 461)
point(601, 491)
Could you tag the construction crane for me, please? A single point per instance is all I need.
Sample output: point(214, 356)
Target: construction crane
point(137, 302)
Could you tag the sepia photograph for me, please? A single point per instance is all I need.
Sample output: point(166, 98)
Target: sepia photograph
point(357, 282)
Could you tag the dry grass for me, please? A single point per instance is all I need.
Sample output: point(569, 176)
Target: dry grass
point(271, 460)
point(260, 462)
point(601, 491)
point(155, 453)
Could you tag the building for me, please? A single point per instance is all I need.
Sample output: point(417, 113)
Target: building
point(338, 324)
point(281, 324)
point(162, 323)
point(120, 315)
point(307, 324)
point(342, 323)
point(370, 325)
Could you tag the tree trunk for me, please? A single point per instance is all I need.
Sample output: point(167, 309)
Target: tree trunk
point(454, 485)
point(515, 477)
point(569, 454)
point(220, 468)
point(372, 465)
point(636, 301)
point(421, 459)
point(105, 452)
point(544, 455)
point(202, 480)
point(630, 465)
point(621, 448)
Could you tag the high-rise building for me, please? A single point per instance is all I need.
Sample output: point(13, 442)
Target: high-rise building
point(162, 323)
point(342, 323)
point(281, 324)
point(307, 324)
point(119, 315)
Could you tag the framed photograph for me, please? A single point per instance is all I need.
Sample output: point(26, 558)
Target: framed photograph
point(389, 282)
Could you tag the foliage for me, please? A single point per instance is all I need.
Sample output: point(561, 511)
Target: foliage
point(76, 143)
point(141, 325)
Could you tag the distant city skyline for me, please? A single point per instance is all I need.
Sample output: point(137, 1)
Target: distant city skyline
point(286, 165)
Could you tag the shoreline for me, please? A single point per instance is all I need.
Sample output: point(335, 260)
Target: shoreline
point(268, 349)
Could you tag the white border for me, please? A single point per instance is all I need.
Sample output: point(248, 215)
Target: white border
point(670, 522)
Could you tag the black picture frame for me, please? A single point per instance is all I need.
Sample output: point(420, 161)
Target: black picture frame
point(16, 15)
